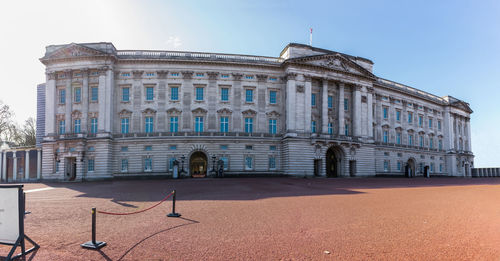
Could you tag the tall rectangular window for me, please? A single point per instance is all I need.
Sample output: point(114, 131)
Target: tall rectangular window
point(224, 124)
point(148, 124)
point(330, 102)
point(199, 93)
point(77, 126)
point(62, 127)
point(432, 167)
point(330, 128)
point(386, 136)
point(62, 96)
point(174, 93)
point(398, 138)
point(93, 125)
point(124, 167)
point(249, 95)
point(346, 104)
point(346, 130)
point(420, 120)
point(272, 97)
point(78, 94)
point(313, 99)
point(430, 123)
point(248, 125)
point(421, 140)
point(386, 112)
point(226, 162)
point(174, 124)
point(410, 117)
point(272, 162)
point(431, 143)
point(399, 165)
point(90, 165)
point(313, 126)
point(398, 115)
point(198, 124)
point(149, 93)
point(272, 126)
point(439, 125)
point(94, 94)
point(440, 167)
point(386, 166)
point(125, 125)
point(410, 139)
point(148, 164)
point(248, 163)
point(224, 94)
point(440, 144)
point(125, 94)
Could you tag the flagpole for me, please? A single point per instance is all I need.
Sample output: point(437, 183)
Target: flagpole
point(311, 37)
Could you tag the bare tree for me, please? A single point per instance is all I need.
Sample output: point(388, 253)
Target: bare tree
point(5, 118)
point(29, 132)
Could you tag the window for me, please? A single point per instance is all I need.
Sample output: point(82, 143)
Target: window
point(431, 143)
point(90, 165)
point(440, 167)
point(125, 125)
point(77, 126)
point(124, 148)
point(199, 74)
point(171, 163)
point(174, 124)
point(148, 148)
point(410, 117)
point(224, 94)
point(226, 162)
point(224, 75)
point(420, 120)
point(272, 126)
point(223, 147)
point(94, 94)
point(174, 93)
point(62, 127)
point(439, 125)
point(248, 125)
point(174, 74)
point(124, 167)
point(148, 164)
point(346, 130)
point(313, 126)
point(124, 74)
point(313, 99)
point(224, 124)
point(272, 97)
point(385, 112)
point(421, 141)
point(272, 147)
point(173, 147)
point(398, 115)
point(199, 93)
point(440, 144)
point(430, 123)
point(149, 93)
point(272, 162)
point(330, 102)
point(386, 166)
point(91, 148)
point(248, 77)
point(248, 147)
point(248, 95)
point(78, 94)
point(386, 136)
point(398, 138)
point(410, 139)
point(62, 96)
point(248, 163)
point(399, 165)
point(346, 104)
point(198, 124)
point(432, 167)
point(330, 128)
point(273, 79)
point(93, 125)
point(148, 128)
point(421, 167)
point(125, 94)
point(150, 74)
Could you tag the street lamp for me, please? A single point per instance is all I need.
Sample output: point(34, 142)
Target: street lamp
point(182, 167)
point(213, 163)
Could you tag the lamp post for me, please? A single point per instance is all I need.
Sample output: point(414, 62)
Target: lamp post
point(213, 164)
point(182, 164)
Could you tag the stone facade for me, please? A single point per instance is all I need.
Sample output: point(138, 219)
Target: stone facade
point(308, 112)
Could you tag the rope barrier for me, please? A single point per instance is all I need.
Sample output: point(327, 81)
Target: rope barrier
point(136, 212)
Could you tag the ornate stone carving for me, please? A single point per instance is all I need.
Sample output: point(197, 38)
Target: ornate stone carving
point(76, 114)
point(224, 111)
point(199, 111)
point(273, 114)
point(212, 75)
point(335, 63)
point(291, 76)
point(51, 75)
point(261, 77)
point(125, 112)
point(249, 112)
point(300, 88)
point(307, 78)
point(237, 76)
point(187, 74)
point(102, 71)
point(162, 74)
point(364, 99)
point(174, 111)
point(137, 74)
point(149, 111)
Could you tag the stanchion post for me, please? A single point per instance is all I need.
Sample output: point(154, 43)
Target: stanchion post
point(173, 214)
point(93, 244)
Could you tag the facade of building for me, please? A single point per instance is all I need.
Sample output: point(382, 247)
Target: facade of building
point(310, 112)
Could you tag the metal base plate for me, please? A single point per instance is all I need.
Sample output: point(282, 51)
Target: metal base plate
point(174, 215)
point(97, 245)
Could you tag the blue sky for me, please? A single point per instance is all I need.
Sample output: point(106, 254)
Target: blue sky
point(442, 47)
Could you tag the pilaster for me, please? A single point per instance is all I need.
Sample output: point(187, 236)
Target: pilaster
point(357, 111)
point(369, 100)
point(324, 107)
point(4, 166)
point(290, 102)
point(85, 100)
point(109, 91)
point(101, 98)
point(14, 167)
point(69, 102)
point(38, 164)
point(307, 102)
point(50, 103)
point(341, 125)
point(26, 164)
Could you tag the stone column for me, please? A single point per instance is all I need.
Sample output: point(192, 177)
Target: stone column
point(290, 102)
point(307, 111)
point(212, 101)
point(236, 115)
point(101, 100)
point(26, 164)
point(85, 101)
point(369, 99)
point(162, 99)
point(4, 166)
point(50, 104)
point(324, 107)
point(448, 130)
point(341, 124)
point(187, 90)
point(108, 101)
point(69, 102)
point(469, 134)
point(356, 108)
point(39, 164)
point(14, 168)
point(262, 120)
point(136, 123)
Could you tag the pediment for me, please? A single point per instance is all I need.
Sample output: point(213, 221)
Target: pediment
point(249, 112)
point(224, 111)
point(124, 112)
point(199, 111)
point(273, 114)
point(173, 111)
point(462, 106)
point(72, 51)
point(149, 111)
point(335, 62)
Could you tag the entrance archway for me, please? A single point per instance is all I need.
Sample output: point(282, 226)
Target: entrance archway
point(334, 156)
point(198, 165)
point(410, 168)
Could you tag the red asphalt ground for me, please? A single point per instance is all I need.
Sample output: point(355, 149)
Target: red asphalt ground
point(270, 219)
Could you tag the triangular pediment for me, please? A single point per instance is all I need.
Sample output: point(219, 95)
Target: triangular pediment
point(72, 51)
point(462, 106)
point(335, 62)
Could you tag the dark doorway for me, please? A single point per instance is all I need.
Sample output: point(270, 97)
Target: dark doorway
point(352, 168)
point(70, 168)
point(410, 168)
point(317, 167)
point(198, 165)
point(334, 162)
